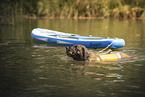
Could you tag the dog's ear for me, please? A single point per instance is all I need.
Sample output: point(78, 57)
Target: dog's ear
point(68, 48)
point(85, 53)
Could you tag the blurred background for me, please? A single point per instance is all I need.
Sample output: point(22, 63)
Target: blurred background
point(29, 68)
point(11, 9)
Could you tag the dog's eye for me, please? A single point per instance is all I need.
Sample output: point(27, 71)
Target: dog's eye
point(78, 52)
point(73, 53)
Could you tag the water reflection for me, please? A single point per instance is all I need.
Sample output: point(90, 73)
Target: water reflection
point(99, 71)
point(130, 30)
point(54, 72)
point(33, 69)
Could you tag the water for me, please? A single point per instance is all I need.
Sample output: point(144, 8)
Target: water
point(34, 69)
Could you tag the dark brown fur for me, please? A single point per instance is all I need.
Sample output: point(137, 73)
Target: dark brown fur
point(77, 52)
point(81, 53)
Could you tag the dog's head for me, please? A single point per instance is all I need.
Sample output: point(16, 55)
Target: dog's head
point(78, 52)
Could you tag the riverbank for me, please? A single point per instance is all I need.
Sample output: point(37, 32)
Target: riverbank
point(71, 9)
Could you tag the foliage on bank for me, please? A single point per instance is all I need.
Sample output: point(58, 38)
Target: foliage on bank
point(72, 9)
point(93, 8)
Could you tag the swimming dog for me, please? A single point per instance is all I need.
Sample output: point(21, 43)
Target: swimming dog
point(81, 53)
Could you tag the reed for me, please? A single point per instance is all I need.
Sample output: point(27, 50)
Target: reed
point(93, 9)
point(10, 12)
point(71, 9)
point(6, 14)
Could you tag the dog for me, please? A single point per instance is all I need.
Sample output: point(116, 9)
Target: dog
point(81, 53)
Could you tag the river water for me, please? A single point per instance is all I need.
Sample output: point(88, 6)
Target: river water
point(34, 69)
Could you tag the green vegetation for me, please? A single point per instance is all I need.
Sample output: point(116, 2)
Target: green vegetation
point(71, 9)
point(92, 8)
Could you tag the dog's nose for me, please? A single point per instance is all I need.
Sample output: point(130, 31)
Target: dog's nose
point(71, 53)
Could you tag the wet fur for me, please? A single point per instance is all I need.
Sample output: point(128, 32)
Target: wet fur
point(81, 53)
point(77, 52)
